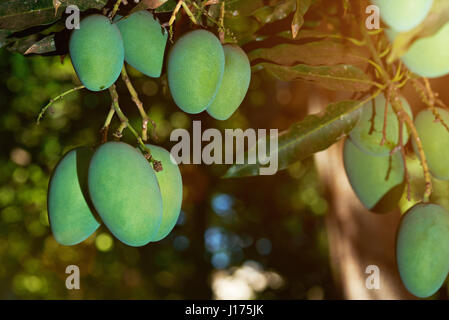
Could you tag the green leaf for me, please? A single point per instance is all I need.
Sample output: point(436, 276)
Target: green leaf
point(315, 133)
point(340, 77)
point(312, 53)
point(298, 19)
point(22, 14)
point(168, 6)
point(44, 45)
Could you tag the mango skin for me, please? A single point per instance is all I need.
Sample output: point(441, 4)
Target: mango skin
point(125, 192)
point(367, 173)
point(71, 218)
point(427, 57)
point(195, 70)
point(422, 249)
point(369, 140)
point(235, 84)
point(403, 15)
point(170, 183)
point(144, 41)
point(435, 141)
point(97, 52)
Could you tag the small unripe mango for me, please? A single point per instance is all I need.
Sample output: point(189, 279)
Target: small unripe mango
point(70, 215)
point(125, 192)
point(97, 52)
point(368, 133)
point(378, 186)
point(195, 70)
point(170, 183)
point(435, 141)
point(144, 41)
point(236, 79)
point(427, 57)
point(422, 249)
point(403, 15)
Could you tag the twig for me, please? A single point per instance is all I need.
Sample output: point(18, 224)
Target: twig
point(402, 115)
point(114, 9)
point(62, 95)
point(105, 129)
point(139, 104)
point(125, 124)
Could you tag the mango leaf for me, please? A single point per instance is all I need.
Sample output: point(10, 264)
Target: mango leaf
point(312, 53)
point(22, 14)
point(243, 7)
point(271, 14)
point(339, 77)
point(44, 45)
point(298, 19)
point(315, 133)
point(435, 20)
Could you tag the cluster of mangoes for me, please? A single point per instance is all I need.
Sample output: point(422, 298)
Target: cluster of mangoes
point(426, 57)
point(202, 73)
point(117, 185)
point(376, 173)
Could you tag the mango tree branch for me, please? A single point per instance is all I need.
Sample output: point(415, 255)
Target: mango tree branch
point(62, 95)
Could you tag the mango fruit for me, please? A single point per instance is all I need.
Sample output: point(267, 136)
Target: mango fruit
point(367, 134)
point(195, 70)
point(144, 40)
point(236, 79)
point(125, 192)
point(170, 183)
point(422, 249)
point(97, 52)
point(435, 141)
point(71, 218)
point(427, 57)
point(378, 187)
point(403, 15)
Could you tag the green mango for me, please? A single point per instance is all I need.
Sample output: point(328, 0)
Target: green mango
point(422, 249)
point(170, 183)
point(195, 70)
point(427, 57)
point(125, 192)
point(69, 211)
point(236, 79)
point(144, 40)
point(403, 15)
point(368, 175)
point(435, 141)
point(97, 52)
point(367, 135)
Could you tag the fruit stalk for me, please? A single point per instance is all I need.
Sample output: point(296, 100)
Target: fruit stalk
point(401, 114)
point(114, 9)
point(125, 124)
point(105, 129)
point(62, 95)
point(139, 104)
